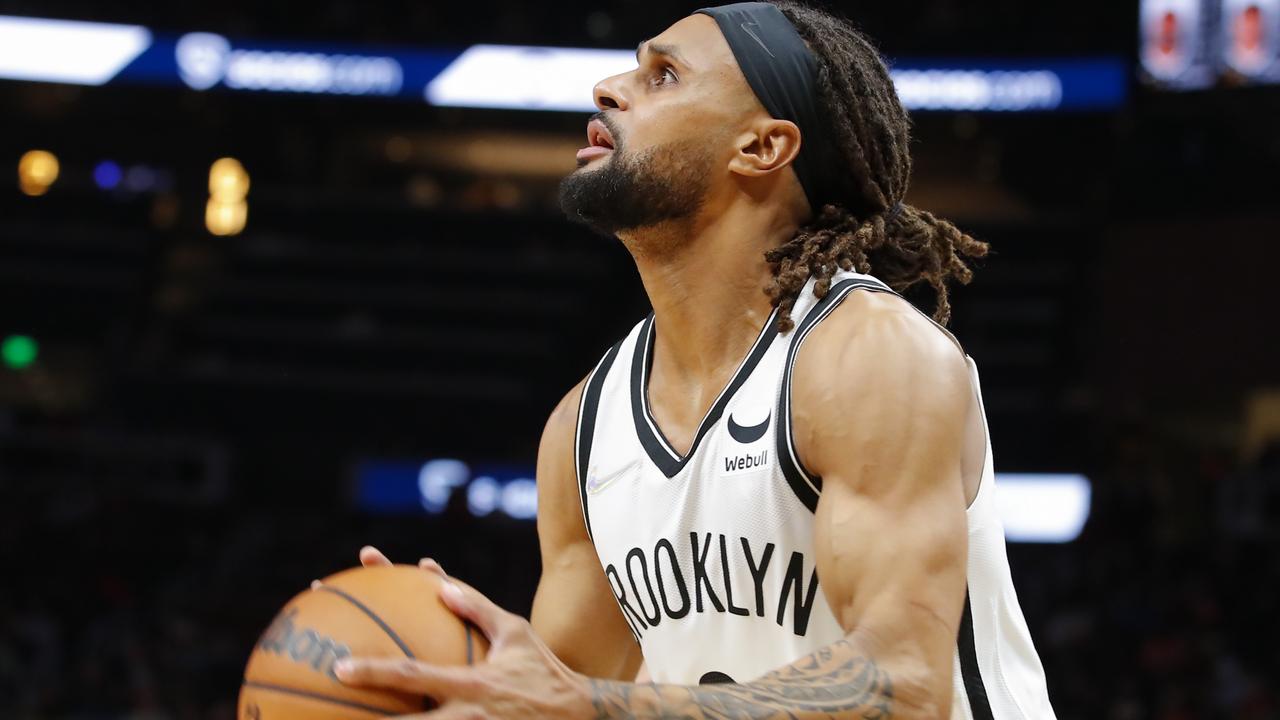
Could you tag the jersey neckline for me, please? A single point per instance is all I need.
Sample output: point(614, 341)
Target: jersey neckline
point(656, 445)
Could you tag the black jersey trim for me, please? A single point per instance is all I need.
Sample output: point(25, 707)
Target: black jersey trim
point(808, 486)
point(651, 438)
point(974, 688)
point(588, 407)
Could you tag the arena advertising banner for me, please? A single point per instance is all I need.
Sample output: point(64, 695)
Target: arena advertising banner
point(1034, 507)
point(485, 76)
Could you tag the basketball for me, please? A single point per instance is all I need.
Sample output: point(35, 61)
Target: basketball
point(390, 611)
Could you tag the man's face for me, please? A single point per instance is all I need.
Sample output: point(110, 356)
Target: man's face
point(661, 142)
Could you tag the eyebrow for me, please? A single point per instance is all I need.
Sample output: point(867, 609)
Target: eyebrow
point(664, 50)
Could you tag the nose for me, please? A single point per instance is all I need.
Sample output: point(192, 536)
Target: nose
point(609, 94)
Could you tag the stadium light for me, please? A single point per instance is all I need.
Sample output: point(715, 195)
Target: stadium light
point(37, 171)
point(65, 51)
point(19, 352)
point(226, 217)
point(1042, 507)
point(227, 210)
point(107, 175)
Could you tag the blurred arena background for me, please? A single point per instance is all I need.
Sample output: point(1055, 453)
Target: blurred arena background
point(220, 380)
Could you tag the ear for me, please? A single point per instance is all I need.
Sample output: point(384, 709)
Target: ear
point(766, 147)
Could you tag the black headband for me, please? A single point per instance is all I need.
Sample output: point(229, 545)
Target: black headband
point(782, 73)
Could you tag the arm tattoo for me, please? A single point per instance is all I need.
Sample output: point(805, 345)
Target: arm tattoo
point(837, 681)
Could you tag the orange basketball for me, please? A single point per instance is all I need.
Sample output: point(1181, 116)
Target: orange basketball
point(393, 612)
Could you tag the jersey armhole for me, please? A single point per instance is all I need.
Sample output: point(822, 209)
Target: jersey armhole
point(807, 485)
point(584, 431)
point(987, 476)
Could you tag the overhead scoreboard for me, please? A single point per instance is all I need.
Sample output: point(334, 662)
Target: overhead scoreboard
point(1198, 44)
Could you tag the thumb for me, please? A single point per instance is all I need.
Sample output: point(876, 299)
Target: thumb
point(409, 676)
point(468, 604)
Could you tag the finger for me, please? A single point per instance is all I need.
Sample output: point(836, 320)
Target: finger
point(371, 556)
point(433, 567)
point(405, 675)
point(469, 604)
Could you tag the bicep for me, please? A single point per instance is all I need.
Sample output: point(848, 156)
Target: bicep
point(885, 402)
point(576, 616)
point(574, 611)
point(893, 571)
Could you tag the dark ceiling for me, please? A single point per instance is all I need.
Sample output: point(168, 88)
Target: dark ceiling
point(925, 27)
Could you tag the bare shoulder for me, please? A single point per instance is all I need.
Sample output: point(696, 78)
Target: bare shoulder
point(563, 421)
point(874, 380)
point(877, 336)
point(559, 514)
point(557, 461)
point(555, 451)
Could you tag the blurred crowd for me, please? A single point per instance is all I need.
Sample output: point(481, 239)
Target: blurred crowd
point(1162, 609)
point(119, 608)
point(138, 611)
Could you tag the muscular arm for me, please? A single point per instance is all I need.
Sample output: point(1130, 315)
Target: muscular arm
point(574, 611)
point(880, 399)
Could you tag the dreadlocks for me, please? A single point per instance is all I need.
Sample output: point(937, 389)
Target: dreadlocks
point(868, 230)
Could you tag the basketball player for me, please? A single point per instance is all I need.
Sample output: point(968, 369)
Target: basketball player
point(777, 488)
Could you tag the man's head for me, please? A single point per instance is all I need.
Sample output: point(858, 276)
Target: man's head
point(686, 131)
point(690, 136)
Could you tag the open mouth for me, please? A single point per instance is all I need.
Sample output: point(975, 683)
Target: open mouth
point(599, 142)
point(598, 134)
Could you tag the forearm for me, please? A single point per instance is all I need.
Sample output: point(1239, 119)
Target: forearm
point(838, 681)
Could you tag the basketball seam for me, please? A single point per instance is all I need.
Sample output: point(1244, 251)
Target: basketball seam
point(470, 656)
point(372, 616)
point(318, 696)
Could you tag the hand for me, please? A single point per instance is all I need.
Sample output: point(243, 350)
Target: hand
point(371, 556)
point(520, 680)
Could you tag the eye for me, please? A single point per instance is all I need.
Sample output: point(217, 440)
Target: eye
point(665, 76)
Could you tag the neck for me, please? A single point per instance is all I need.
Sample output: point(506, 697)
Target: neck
point(706, 280)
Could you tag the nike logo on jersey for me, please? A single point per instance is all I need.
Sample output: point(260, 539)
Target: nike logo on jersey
point(749, 434)
point(597, 484)
point(601, 477)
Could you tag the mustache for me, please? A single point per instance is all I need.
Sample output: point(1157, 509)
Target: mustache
point(614, 130)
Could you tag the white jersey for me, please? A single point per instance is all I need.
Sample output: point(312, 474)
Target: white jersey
point(710, 554)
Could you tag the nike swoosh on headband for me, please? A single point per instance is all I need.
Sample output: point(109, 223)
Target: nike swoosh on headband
point(746, 26)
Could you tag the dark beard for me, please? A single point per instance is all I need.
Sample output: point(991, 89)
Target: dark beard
point(628, 192)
